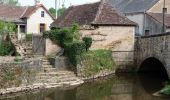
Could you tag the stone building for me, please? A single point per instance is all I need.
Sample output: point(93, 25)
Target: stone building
point(108, 29)
point(137, 11)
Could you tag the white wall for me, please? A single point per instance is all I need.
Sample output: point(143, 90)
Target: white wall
point(139, 19)
point(35, 19)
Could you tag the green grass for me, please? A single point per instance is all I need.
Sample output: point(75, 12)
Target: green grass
point(96, 61)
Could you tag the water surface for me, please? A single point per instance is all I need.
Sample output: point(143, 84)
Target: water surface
point(116, 87)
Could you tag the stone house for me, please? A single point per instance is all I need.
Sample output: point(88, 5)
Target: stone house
point(28, 19)
point(145, 13)
point(108, 29)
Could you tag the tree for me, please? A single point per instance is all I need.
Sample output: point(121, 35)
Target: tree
point(9, 2)
point(6, 27)
point(52, 11)
point(61, 11)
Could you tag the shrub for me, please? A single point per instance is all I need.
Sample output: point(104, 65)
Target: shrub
point(74, 51)
point(88, 42)
point(6, 48)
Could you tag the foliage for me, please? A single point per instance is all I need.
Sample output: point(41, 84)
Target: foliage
point(6, 48)
point(68, 39)
point(96, 61)
point(166, 90)
point(29, 37)
point(62, 36)
point(9, 2)
point(61, 11)
point(52, 11)
point(6, 27)
point(74, 51)
point(88, 42)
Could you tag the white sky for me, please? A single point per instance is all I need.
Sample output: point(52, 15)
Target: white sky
point(51, 3)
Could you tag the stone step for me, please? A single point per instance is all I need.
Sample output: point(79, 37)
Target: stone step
point(46, 63)
point(52, 80)
point(57, 77)
point(57, 73)
point(49, 70)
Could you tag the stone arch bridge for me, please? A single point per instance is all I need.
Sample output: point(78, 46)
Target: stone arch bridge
point(152, 53)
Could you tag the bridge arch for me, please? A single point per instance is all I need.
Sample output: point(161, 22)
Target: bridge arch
point(153, 65)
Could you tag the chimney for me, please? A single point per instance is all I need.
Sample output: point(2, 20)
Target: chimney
point(37, 2)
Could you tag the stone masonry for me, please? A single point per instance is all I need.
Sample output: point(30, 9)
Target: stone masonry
point(157, 46)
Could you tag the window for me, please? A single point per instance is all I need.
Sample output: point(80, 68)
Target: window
point(22, 29)
point(147, 32)
point(42, 13)
point(165, 10)
point(42, 28)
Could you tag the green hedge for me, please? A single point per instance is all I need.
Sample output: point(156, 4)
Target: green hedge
point(74, 51)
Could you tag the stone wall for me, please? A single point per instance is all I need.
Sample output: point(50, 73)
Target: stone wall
point(156, 46)
point(63, 63)
point(51, 48)
point(119, 39)
point(19, 73)
point(115, 38)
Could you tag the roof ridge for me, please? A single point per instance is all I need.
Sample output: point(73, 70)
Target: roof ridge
point(152, 4)
point(24, 12)
point(98, 11)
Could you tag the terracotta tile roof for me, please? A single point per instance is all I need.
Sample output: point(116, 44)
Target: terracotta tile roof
point(91, 14)
point(82, 14)
point(11, 13)
point(159, 17)
point(28, 11)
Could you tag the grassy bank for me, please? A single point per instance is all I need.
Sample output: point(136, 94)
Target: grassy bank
point(95, 61)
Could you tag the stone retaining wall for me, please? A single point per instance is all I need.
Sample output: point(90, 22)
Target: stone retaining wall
point(19, 73)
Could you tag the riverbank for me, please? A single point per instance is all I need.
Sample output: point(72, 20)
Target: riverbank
point(69, 84)
point(29, 88)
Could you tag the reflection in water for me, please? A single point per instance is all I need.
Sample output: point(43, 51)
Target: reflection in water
point(120, 87)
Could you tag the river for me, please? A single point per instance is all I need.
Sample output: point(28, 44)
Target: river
point(116, 87)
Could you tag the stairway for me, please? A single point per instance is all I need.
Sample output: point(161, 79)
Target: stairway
point(24, 48)
point(50, 75)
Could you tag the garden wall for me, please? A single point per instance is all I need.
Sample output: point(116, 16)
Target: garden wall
point(18, 73)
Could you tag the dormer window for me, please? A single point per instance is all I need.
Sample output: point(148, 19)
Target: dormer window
point(42, 13)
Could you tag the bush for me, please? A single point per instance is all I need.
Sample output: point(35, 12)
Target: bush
point(6, 48)
point(74, 51)
point(88, 42)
